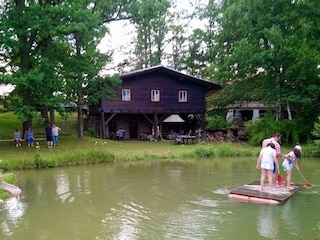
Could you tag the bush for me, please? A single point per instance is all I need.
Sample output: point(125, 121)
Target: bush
point(216, 122)
point(92, 133)
point(292, 131)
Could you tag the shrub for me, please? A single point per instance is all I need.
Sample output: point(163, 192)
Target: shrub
point(41, 162)
point(92, 133)
point(216, 122)
point(292, 131)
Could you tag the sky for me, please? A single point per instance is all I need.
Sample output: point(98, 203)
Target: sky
point(5, 89)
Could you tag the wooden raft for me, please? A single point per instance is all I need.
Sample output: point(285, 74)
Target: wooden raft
point(252, 193)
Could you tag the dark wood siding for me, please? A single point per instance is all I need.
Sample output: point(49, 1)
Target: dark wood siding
point(168, 85)
point(140, 116)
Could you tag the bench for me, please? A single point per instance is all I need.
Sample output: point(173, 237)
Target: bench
point(22, 140)
point(12, 140)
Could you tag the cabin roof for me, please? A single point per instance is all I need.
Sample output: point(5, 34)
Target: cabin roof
point(160, 68)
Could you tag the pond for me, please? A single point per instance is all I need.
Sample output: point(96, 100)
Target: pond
point(156, 200)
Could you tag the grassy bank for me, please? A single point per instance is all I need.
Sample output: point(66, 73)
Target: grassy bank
point(75, 151)
point(88, 150)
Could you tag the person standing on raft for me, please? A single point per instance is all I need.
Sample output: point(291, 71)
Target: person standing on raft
point(290, 160)
point(265, 162)
point(275, 140)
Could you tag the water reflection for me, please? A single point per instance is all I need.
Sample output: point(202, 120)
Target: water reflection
point(13, 210)
point(63, 186)
point(126, 219)
point(268, 224)
point(289, 220)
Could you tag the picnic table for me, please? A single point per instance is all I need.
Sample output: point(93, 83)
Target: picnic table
point(186, 139)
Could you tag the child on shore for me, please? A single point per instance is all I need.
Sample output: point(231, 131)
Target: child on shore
point(290, 160)
point(17, 138)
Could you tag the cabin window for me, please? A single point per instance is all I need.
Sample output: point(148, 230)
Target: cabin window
point(155, 95)
point(126, 94)
point(183, 96)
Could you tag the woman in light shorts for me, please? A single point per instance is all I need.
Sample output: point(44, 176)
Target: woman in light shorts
point(290, 160)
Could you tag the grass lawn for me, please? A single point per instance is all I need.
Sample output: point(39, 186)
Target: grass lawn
point(72, 150)
point(75, 151)
point(69, 141)
point(9, 123)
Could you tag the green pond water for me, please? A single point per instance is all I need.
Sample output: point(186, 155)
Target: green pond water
point(157, 200)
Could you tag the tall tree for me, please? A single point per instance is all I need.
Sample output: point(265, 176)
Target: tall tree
point(50, 52)
point(83, 65)
point(261, 51)
point(198, 40)
point(150, 18)
point(26, 44)
point(82, 62)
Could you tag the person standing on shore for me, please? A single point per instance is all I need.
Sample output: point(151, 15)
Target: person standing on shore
point(48, 132)
point(55, 134)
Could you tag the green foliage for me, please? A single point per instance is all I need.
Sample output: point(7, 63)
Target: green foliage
point(42, 159)
point(151, 19)
point(220, 150)
point(216, 122)
point(40, 162)
point(5, 104)
point(292, 132)
point(92, 133)
point(204, 152)
point(316, 131)
point(59, 65)
point(264, 51)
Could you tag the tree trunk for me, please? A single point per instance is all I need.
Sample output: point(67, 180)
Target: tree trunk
point(80, 122)
point(44, 114)
point(25, 125)
point(278, 101)
point(155, 126)
point(102, 125)
point(52, 118)
point(289, 112)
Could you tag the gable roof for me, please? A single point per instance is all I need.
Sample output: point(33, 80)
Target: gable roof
point(173, 118)
point(208, 85)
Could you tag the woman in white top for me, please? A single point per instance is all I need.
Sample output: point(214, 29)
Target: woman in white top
point(266, 160)
point(289, 161)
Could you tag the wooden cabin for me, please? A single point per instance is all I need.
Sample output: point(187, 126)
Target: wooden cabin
point(145, 100)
